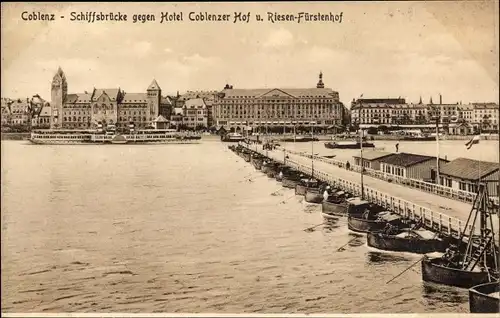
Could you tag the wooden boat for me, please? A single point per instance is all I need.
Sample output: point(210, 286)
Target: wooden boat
point(266, 165)
point(246, 157)
point(475, 264)
point(369, 222)
point(282, 172)
point(348, 145)
point(290, 182)
point(257, 163)
point(418, 138)
point(484, 298)
point(313, 195)
point(408, 240)
point(232, 137)
point(304, 184)
point(437, 270)
point(365, 217)
point(335, 205)
point(300, 139)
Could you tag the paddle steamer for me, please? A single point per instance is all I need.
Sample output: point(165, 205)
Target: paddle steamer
point(71, 137)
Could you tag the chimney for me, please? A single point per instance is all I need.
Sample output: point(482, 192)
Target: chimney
point(440, 99)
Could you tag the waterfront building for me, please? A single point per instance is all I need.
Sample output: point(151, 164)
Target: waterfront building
point(379, 111)
point(396, 111)
point(486, 116)
point(160, 123)
point(464, 174)
point(409, 165)
point(208, 98)
point(6, 112)
point(371, 159)
point(19, 110)
point(461, 128)
point(195, 114)
point(111, 106)
point(278, 108)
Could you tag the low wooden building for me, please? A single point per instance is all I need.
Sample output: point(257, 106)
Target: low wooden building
point(464, 174)
point(409, 165)
point(371, 159)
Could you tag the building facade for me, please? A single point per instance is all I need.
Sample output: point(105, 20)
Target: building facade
point(396, 111)
point(111, 106)
point(464, 174)
point(236, 109)
point(195, 114)
point(410, 165)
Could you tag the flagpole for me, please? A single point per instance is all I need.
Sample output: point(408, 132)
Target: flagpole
point(437, 150)
point(362, 165)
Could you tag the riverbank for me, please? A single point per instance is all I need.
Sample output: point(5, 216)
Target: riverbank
point(15, 136)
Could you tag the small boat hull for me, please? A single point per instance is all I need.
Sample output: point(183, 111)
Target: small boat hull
point(434, 270)
point(481, 299)
point(338, 209)
point(363, 225)
point(334, 145)
point(289, 183)
point(265, 168)
point(400, 244)
point(313, 196)
point(257, 163)
point(300, 189)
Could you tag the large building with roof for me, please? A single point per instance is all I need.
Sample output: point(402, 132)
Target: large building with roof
point(236, 109)
point(464, 174)
point(99, 106)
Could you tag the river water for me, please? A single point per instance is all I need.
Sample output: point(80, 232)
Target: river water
point(180, 228)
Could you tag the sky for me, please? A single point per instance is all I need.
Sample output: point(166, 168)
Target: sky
point(379, 50)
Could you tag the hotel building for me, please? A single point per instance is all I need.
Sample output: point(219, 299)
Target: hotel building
point(236, 109)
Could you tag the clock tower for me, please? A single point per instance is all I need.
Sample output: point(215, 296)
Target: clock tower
point(59, 92)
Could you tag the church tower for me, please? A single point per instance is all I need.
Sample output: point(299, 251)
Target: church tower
point(320, 82)
point(154, 96)
point(59, 92)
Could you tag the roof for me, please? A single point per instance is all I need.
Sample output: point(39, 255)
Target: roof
point(291, 92)
point(134, 98)
point(46, 110)
point(469, 169)
point(78, 98)
point(195, 103)
point(381, 101)
point(154, 85)
point(111, 92)
point(161, 119)
point(405, 159)
point(372, 155)
point(165, 100)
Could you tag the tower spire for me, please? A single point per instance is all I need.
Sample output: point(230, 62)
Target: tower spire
point(320, 82)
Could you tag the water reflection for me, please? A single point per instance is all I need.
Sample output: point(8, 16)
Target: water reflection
point(433, 294)
point(377, 258)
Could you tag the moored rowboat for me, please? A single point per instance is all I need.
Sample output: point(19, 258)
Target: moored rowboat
point(436, 270)
point(484, 298)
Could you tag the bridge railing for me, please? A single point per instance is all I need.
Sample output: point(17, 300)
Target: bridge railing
point(447, 192)
point(432, 220)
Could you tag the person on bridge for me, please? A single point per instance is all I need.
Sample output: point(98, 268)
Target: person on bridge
point(397, 147)
point(348, 165)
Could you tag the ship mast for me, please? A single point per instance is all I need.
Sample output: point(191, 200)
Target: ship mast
point(312, 152)
point(479, 247)
point(362, 164)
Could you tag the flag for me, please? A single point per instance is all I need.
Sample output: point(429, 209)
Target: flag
point(474, 140)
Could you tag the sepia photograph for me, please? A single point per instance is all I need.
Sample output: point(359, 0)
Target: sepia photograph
point(250, 158)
